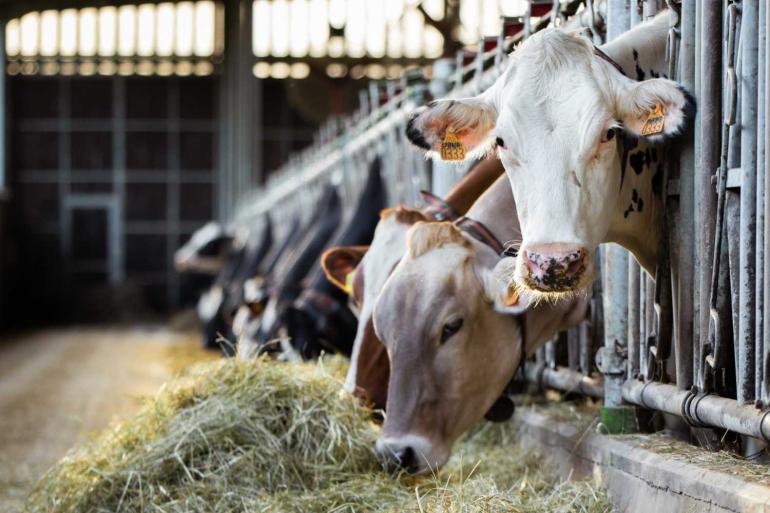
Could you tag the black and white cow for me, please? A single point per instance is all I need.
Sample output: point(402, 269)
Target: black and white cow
point(578, 131)
point(257, 335)
point(320, 319)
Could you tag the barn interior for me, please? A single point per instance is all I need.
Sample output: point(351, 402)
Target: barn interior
point(174, 173)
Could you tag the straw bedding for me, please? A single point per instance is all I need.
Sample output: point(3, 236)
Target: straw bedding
point(231, 436)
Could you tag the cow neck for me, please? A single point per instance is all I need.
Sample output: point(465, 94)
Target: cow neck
point(496, 212)
point(470, 188)
point(640, 53)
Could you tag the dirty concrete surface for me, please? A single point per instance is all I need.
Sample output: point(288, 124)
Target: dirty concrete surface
point(57, 387)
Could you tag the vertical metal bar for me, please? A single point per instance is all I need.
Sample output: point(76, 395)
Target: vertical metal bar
point(173, 179)
point(710, 115)
point(766, 277)
point(615, 269)
point(3, 135)
point(633, 316)
point(618, 18)
point(747, 259)
point(573, 348)
point(760, 227)
point(684, 243)
point(586, 348)
point(119, 167)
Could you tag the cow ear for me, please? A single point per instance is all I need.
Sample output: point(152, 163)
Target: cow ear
point(469, 120)
point(339, 262)
point(500, 289)
point(656, 109)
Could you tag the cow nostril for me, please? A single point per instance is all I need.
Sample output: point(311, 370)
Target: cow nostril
point(406, 459)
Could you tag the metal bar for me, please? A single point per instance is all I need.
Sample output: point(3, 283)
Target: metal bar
point(3, 134)
point(710, 115)
point(634, 314)
point(566, 380)
point(702, 409)
point(615, 299)
point(759, 370)
point(573, 349)
point(747, 258)
point(684, 244)
point(618, 18)
point(766, 274)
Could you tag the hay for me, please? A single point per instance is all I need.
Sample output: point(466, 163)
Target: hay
point(265, 437)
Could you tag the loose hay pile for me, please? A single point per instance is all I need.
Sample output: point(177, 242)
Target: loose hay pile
point(265, 437)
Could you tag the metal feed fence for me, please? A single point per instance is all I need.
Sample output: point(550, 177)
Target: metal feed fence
point(693, 341)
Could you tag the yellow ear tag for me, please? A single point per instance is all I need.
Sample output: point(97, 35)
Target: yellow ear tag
point(451, 147)
point(655, 121)
point(349, 282)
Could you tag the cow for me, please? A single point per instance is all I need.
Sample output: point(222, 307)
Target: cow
point(256, 287)
point(578, 129)
point(206, 251)
point(362, 271)
point(454, 331)
point(217, 307)
point(260, 335)
point(320, 319)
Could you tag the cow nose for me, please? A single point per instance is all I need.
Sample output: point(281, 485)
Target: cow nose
point(554, 267)
point(396, 457)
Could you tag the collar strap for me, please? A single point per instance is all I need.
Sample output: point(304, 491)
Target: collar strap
point(607, 58)
point(481, 233)
point(437, 208)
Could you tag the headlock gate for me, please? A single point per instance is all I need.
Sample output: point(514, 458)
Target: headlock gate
point(693, 341)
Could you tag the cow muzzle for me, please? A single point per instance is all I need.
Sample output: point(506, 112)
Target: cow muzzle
point(411, 453)
point(554, 267)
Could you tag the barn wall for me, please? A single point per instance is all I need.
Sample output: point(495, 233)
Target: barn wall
point(108, 176)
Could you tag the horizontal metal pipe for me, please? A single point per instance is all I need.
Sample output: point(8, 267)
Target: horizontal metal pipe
point(566, 380)
point(704, 409)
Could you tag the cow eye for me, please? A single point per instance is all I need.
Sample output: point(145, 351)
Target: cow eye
point(450, 329)
point(609, 135)
point(499, 142)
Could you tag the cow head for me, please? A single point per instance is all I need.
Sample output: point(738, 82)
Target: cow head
point(444, 317)
point(362, 272)
point(555, 118)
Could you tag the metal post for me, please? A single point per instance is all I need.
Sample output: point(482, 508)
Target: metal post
point(710, 114)
point(760, 227)
point(684, 244)
point(766, 277)
point(3, 135)
point(615, 417)
point(747, 258)
point(634, 297)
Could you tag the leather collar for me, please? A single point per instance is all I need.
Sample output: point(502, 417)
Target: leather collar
point(437, 208)
point(481, 233)
point(607, 58)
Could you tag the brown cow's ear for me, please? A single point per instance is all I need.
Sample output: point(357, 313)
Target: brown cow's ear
point(339, 262)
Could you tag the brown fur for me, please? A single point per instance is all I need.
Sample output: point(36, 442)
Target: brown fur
point(404, 214)
point(423, 237)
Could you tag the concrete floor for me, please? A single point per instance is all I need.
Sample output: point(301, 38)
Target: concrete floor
point(59, 386)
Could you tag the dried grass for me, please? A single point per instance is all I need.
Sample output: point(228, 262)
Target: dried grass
point(258, 436)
